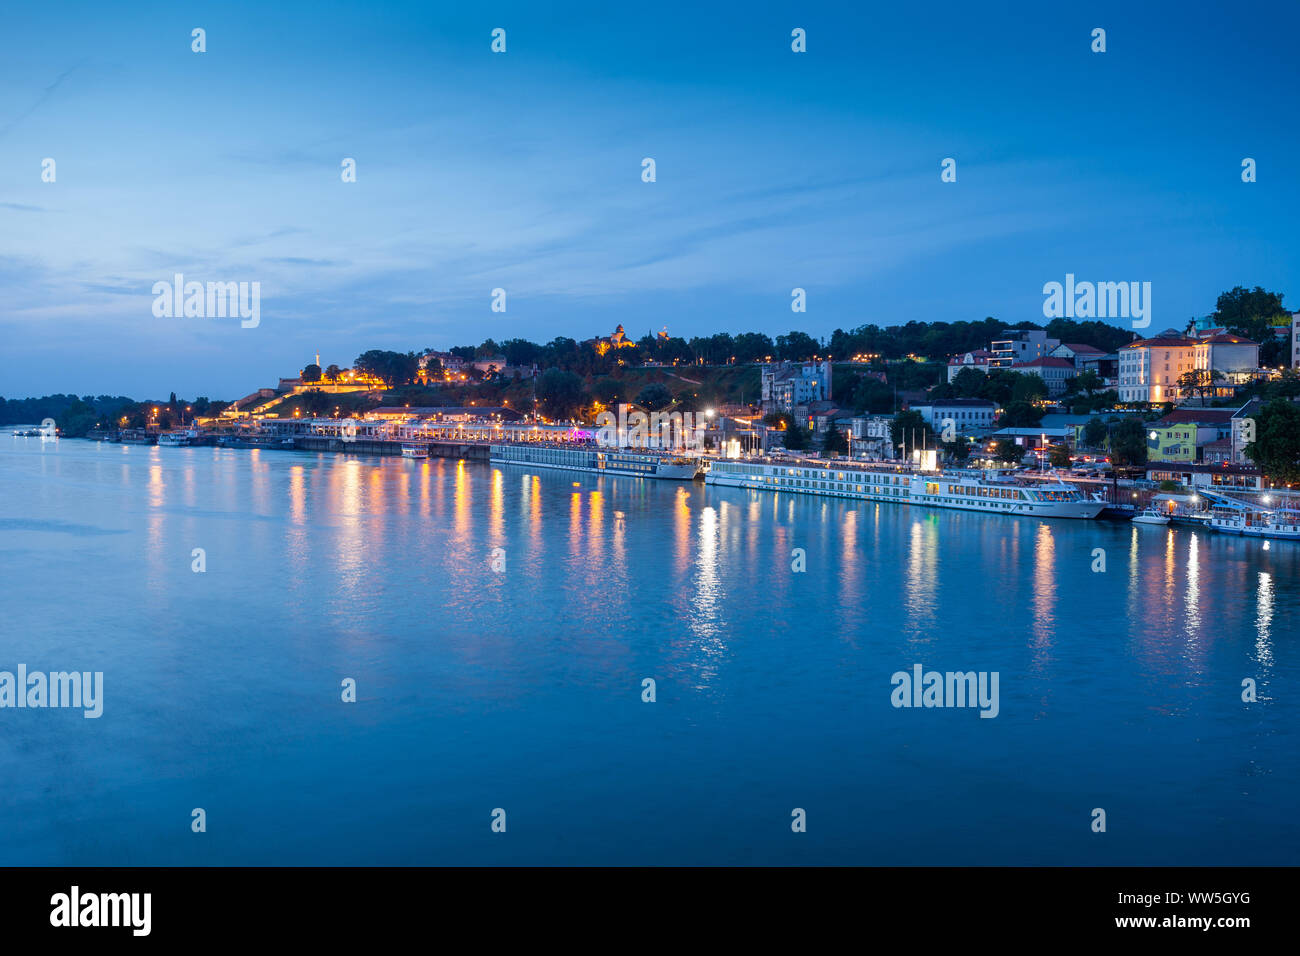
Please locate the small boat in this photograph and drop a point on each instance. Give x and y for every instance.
(415, 451)
(1150, 516)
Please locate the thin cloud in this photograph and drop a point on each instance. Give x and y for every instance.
(41, 100)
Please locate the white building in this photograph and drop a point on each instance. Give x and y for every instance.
(873, 436)
(969, 415)
(1054, 372)
(787, 386)
(978, 360)
(1236, 357)
(1078, 354)
(1149, 368)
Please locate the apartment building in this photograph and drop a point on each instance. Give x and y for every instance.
(787, 387)
(1018, 346)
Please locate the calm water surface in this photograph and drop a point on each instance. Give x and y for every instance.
(522, 690)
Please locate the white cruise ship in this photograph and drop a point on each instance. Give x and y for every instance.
(997, 493)
(598, 460)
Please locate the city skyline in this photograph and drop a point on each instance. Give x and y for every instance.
(523, 171)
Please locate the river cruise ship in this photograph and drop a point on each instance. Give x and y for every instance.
(597, 460)
(988, 492)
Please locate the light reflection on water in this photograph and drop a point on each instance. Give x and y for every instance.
(528, 682)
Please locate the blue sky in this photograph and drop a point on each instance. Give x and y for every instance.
(523, 171)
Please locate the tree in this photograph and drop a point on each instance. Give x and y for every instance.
(333, 373)
(559, 393)
(1029, 388)
(1058, 456)
(1020, 415)
(753, 347)
(968, 383)
(1094, 432)
(997, 385)
(1199, 381)
(1276, 448)
(654, 397)
(778, 420)
(315, 402)
(835, 442)
(1008, 451)
(77, 419)
(909, 430)
(392, 368)
(311, 374)
(1128, 442)
(958, 450)
(796, 346)
(1088, 381)
(1250, 313)
(607, 390)
(520, 352)
(872, 395)
(796, 438)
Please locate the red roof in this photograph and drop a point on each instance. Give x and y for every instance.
(977, 355)
(1162, 341)
(1227, 338)
(1049, 362)
(1197, 416)
(1080, 348)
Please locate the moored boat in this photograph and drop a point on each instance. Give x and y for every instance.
(1281, 524)
(176, 439)
(598, 460)
(1150, 516)
(1001, 493)
(256, 441)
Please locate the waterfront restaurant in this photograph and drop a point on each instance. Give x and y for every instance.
(1225, 476)
(444, 413)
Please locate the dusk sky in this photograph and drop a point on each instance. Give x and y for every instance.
(522, 170)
